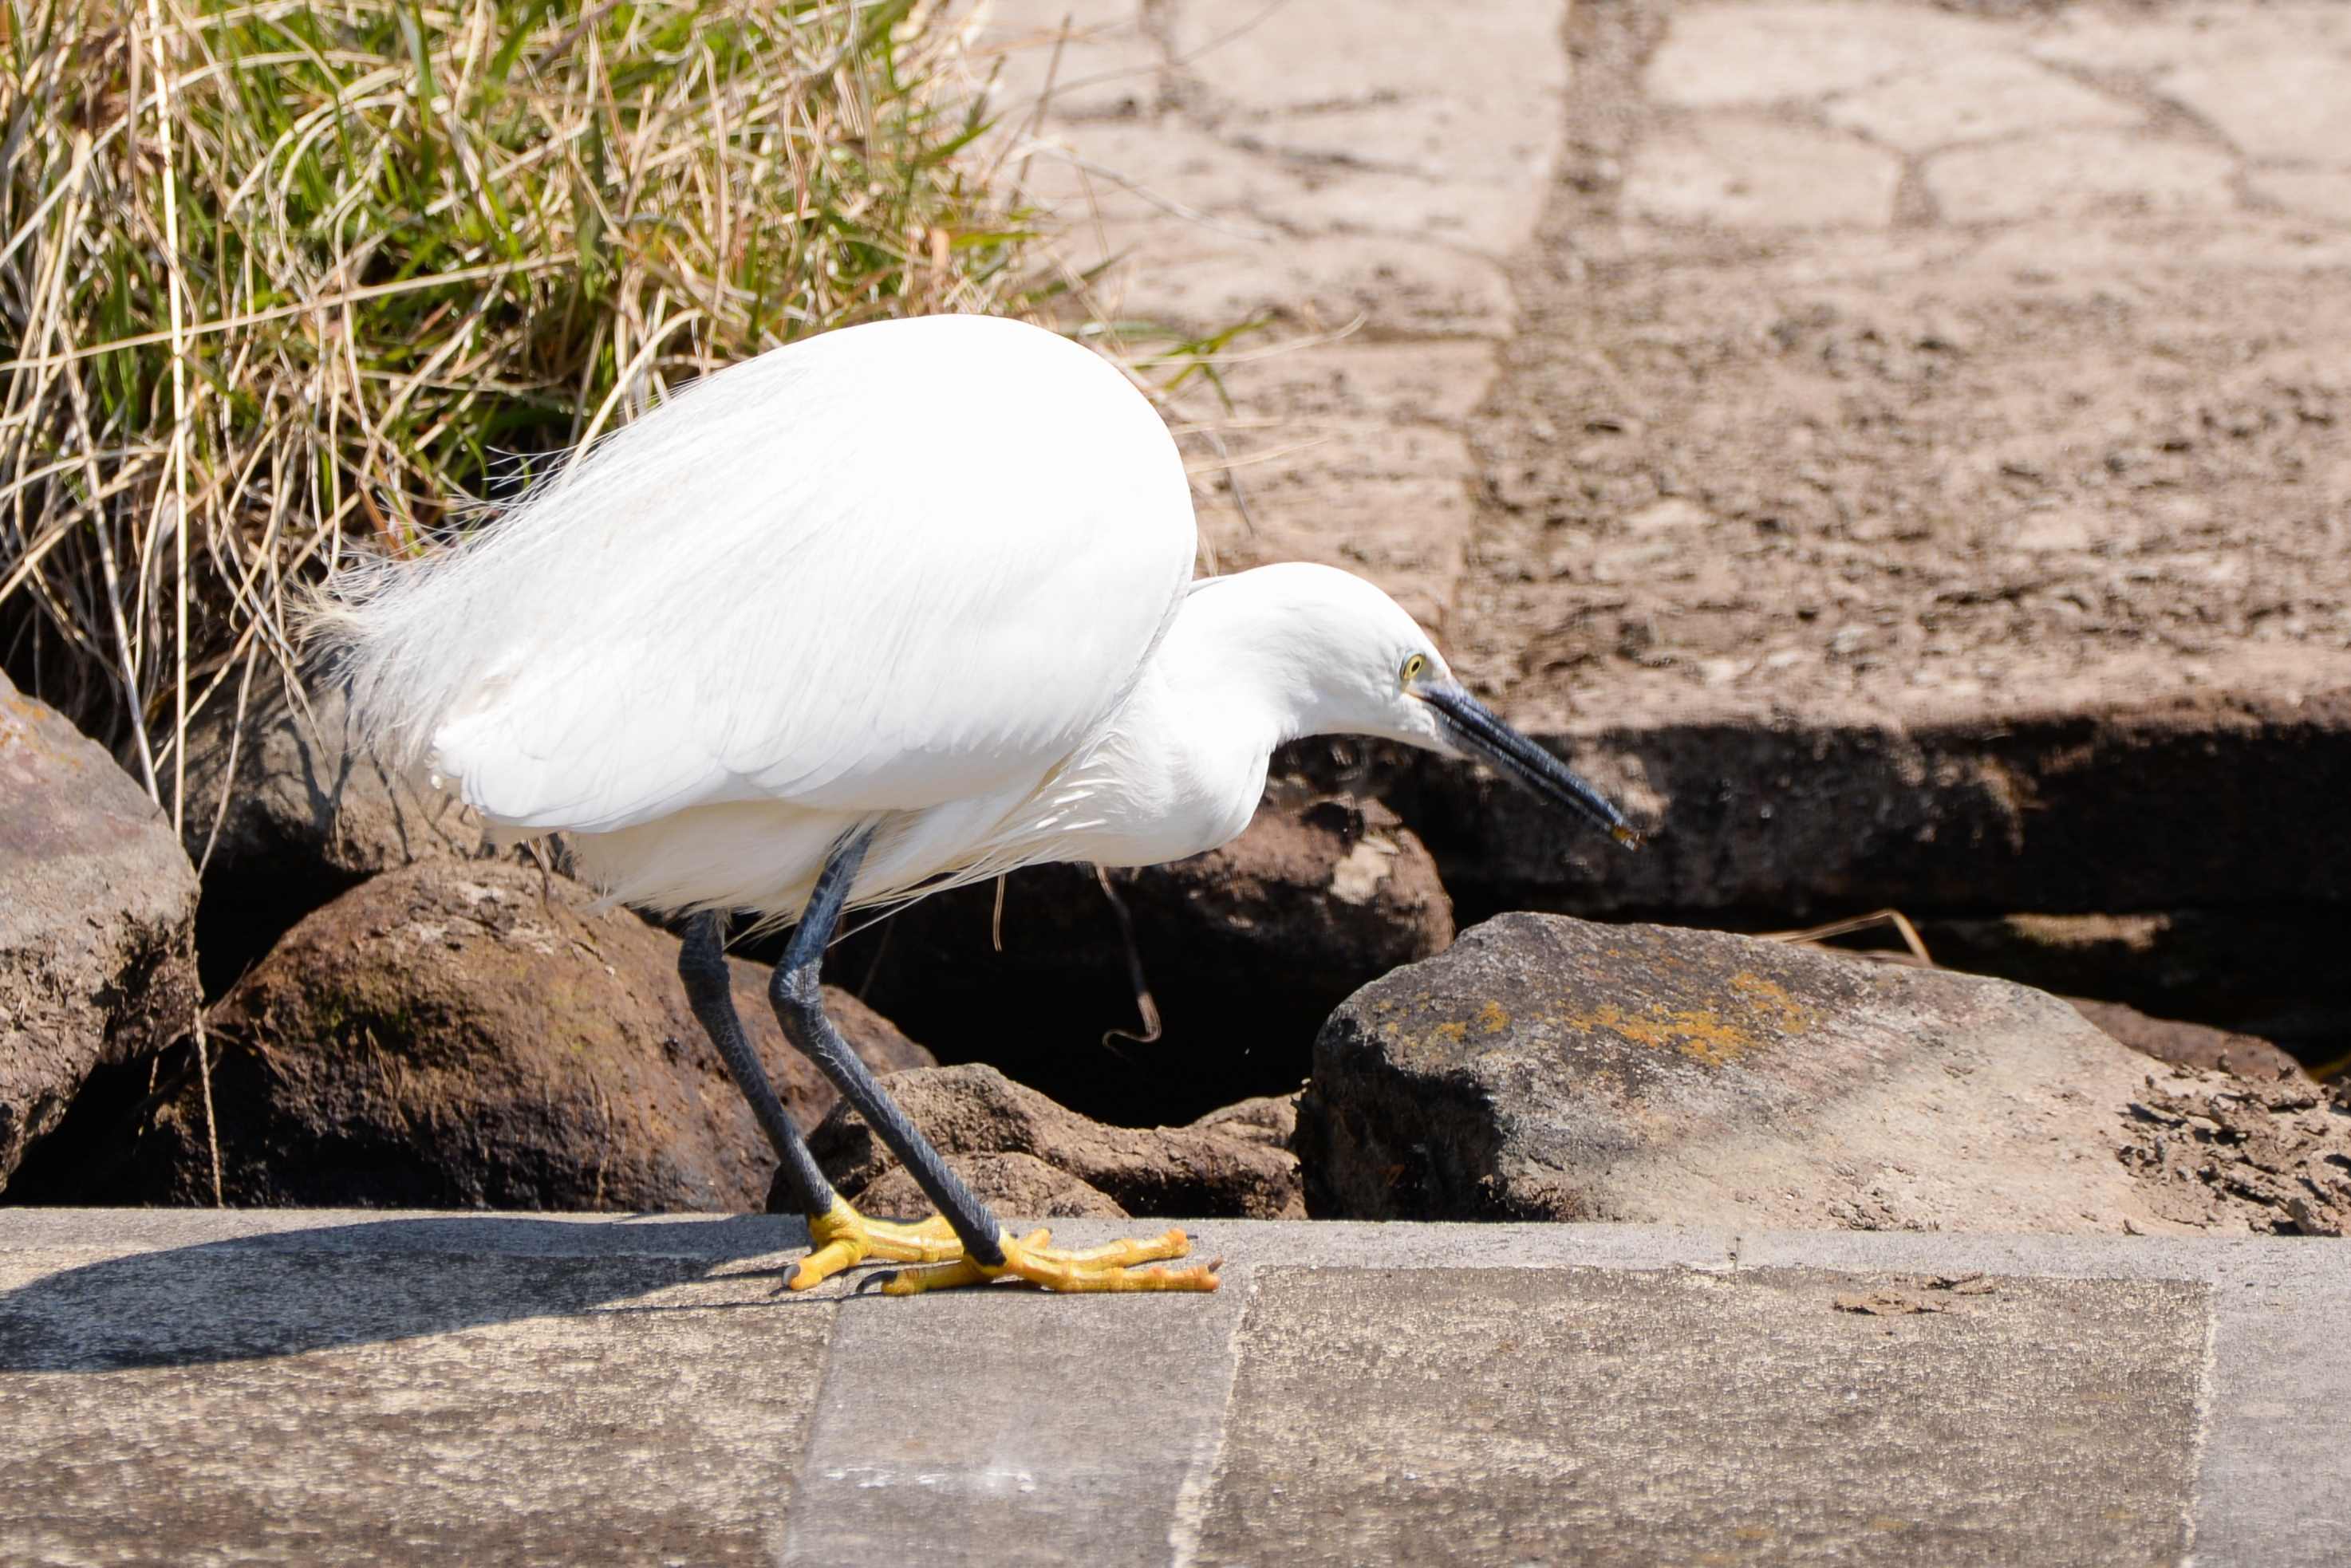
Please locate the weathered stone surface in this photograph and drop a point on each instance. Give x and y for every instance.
(1245, 949)
(96, 914)
(1973, 96)
(1384, 500)
(1408, 118)
(306, 817)
(2273, 85)
(2191, 1044)
(2322, 194)
(1720, 56)
(472, 1035)
(1545, 1067)
(338, 1388)
(2077, 171)
(1269, 1119)
(1995, 555)
(1018, 1148)
(1414, 287)
(1088, 63)
(1360, 466)
(1758, 173)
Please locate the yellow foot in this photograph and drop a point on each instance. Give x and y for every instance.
(840, 1237)
(1030, 1260)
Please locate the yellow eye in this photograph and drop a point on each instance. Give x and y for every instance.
(1415, 667)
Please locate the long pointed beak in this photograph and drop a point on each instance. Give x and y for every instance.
(1477, 729)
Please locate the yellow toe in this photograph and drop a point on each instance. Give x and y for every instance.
(840, 1237)
(1095, 1269)
(932, 1241)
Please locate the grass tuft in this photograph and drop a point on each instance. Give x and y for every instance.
(278, 277)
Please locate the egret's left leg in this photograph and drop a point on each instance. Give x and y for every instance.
(989, 1251)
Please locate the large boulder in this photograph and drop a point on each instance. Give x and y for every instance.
(1547, 1068)
(1030, 1157)
(461, 1035)
(97, 918)
(307, 816)
(1245, 950)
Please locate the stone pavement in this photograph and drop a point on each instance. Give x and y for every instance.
(323, 1387)
(1898, 447)
(1862, 358)
(1372, 166)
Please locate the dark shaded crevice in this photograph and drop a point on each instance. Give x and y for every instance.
(239, 919)
(85, 1159)
(1044, 1010)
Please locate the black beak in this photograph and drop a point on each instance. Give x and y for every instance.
(1476, 728)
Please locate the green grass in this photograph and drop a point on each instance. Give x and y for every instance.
(307, 276)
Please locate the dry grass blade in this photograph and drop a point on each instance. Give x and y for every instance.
(274, 274)
(1818, 936)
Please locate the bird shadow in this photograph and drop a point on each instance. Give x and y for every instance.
(288, 1292)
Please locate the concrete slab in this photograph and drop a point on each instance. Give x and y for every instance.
(1033, 1422)
(204, 1387)
(310, 1399)
(1621, 1417)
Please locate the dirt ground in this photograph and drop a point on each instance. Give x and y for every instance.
(1818, 403)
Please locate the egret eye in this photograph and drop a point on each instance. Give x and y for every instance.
(1414, 668)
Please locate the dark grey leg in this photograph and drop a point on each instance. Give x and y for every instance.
(701, 964)
(799, 1000)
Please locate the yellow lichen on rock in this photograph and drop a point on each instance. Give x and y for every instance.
(1699, 1033)
(1771, 997)
(1702, 1032)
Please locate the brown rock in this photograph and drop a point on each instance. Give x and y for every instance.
(1548, 1067)
(307, 818)
(97, 913)
(1245, 949)
(1013, 1184)
(1269, 1119)
(455, 1035)
(1229, 1164)
(2191, 1044)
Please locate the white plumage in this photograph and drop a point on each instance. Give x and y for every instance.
(930, 575)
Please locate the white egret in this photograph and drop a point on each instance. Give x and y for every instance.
(885, 611)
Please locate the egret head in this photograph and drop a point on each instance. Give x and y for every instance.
(1375, 671)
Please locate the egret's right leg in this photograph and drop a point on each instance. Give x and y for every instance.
(838, 1236)
(988, 1252)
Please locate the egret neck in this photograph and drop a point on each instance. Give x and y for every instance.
(1250, 661)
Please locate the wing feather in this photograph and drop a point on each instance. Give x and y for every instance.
(884, 567)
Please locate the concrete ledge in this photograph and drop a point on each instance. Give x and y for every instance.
(331, 1387)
